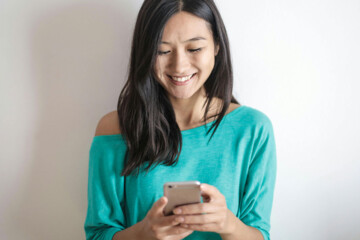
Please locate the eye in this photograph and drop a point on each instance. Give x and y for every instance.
(195, 50)
(162, 53)
(190, 50)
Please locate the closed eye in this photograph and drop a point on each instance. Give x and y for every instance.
(190, 50)
(162, 53)
(195, 50)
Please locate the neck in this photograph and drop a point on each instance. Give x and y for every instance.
(189, 112)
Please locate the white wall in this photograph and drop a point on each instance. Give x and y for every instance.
(63, 64)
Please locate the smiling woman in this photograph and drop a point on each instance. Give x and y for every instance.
(180, 80)
(155, 105)
(183, 66)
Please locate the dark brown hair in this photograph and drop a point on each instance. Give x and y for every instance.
(146, 116)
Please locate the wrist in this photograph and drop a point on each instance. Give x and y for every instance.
(230, 224)
(140, 233)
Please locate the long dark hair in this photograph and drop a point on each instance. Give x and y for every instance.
(146, 116)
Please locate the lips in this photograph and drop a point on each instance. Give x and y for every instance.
(178, 83)
(184, 76)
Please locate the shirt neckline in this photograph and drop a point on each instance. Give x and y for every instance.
(195, 129)
(183, 132)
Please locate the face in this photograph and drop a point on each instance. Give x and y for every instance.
(186, 56)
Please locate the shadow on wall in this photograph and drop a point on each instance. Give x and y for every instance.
(79, 60)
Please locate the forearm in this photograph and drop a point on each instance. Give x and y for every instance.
(130, 233)
(240, 231)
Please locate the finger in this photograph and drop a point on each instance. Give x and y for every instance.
(202, 219)
(176, 231)
(180, 236)
(185, 234)
(197, 208)
(172, 230)
(208, 227)
(209, 190)
(172, 220)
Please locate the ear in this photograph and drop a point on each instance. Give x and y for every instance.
(217, 47)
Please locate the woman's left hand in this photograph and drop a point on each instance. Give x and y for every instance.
(210, 216)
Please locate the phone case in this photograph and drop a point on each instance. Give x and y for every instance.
(181, 193)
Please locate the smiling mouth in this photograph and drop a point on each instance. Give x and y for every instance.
(182, 79)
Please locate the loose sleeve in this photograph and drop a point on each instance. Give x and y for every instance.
(257, 198)
(105, 213)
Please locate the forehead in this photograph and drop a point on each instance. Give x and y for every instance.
(183, 26)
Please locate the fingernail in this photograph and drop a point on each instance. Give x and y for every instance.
(180, 219)
(177, 211)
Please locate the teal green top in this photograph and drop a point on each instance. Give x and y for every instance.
(240, 161)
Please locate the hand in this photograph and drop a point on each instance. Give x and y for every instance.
(157, 226)
(210, 216)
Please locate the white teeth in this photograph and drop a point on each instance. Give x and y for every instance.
(182, 79)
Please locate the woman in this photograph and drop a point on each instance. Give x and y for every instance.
(179, 84)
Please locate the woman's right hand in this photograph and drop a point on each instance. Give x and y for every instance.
(157, 226)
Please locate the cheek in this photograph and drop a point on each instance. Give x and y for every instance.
(157, 69)
(206, 62)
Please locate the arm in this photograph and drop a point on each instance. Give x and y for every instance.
(106, 203)
(253, 219)
(239, 230)
(131, 233)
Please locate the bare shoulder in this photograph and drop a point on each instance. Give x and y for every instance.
(108, 124)
(218, 102)
(232, 107)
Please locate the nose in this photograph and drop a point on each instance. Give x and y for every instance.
(179, 63)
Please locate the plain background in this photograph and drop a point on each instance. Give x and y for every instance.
(63, 64)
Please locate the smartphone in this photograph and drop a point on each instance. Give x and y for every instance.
(181, 193)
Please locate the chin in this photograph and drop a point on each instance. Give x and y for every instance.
(186, 94)
(180, 96)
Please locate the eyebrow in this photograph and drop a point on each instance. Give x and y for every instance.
(190, 40)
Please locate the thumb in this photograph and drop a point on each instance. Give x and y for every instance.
(159, 205)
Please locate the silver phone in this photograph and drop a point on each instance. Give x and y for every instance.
(181, 193)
